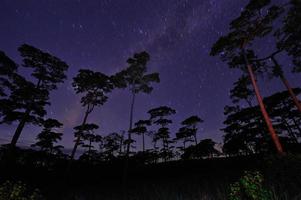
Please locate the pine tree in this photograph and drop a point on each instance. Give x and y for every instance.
(141, 129)
(159, 116)
(48, 137)
(135, 78)
(28, 100)
(191, 124)
(251, 24)
(8, 69)
(93, 86)
(87, 138)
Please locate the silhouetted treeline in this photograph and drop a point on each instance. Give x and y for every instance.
(24, 101)
(269, 124)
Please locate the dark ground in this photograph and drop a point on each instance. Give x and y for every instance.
(191, 179)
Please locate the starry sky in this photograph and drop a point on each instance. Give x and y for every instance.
(101, 34)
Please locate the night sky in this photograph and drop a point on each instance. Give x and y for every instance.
(101, 35)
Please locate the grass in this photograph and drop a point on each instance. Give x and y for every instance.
(176, 180)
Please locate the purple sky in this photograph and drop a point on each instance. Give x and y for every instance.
(102, 34)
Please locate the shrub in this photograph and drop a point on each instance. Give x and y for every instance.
(249, 187)
(18, 191)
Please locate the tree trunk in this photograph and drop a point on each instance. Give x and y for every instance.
(20, 128)
(143, 143)
(287, 85)
(78, 137)
(165, 148)
(131, 121)
(126, 164)
(22, 122)
(121, 143)
(165, 152)
(262, 107)
(166, 143)
(195, 139)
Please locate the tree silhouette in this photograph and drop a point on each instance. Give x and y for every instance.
(20, 96)
(48, 137)
(245, 132)
(29, 99)
(289, 34)
(283, 43)
(112, 145)
(241, 91)
(141, 129)
(285, 115)
(243, 127)
(135, 78)
(94, 86)
(8, 70)
(158, 116)
(88, 137)
(232, 48)
(278, 72)
(184, 134)
(205, 148)
(191, 124)
(188, 132)
(120, 139)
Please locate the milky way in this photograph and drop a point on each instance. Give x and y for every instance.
(102, 34)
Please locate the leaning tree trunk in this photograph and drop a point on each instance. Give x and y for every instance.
(20, 128)
(78, 137)
(195, 139)
(23, 121)
(287, 85)
(194, 135)
(267, 119)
